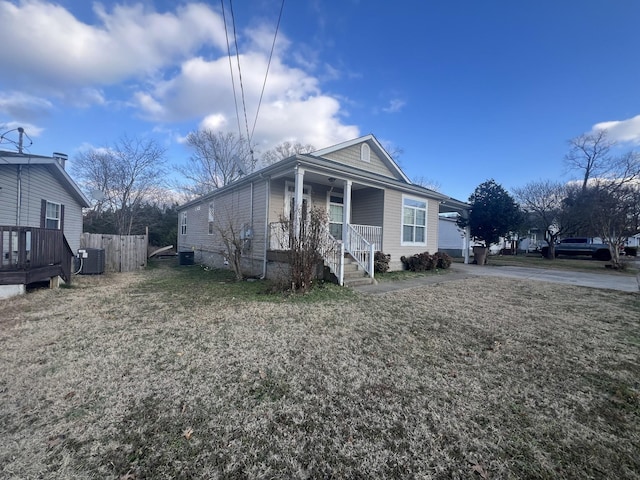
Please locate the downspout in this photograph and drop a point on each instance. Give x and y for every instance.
(267, 237)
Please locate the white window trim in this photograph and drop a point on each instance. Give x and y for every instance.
(329, 202)
(211, 215)
(289, 194)
(183, 223)
(365, 153)
(426, 221)
(47, 217)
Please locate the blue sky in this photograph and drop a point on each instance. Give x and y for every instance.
(468, 89)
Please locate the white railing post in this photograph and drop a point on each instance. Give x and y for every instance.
(341, 266)
(372, 249)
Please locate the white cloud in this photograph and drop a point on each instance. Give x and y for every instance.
(48, 47)
(172, 67)
(292, 106)
(395, 105)
(24, 107)
(215, 121)
(622, 130)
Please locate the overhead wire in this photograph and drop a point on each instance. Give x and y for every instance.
(273, 45)
(235, 39)
(233, 83)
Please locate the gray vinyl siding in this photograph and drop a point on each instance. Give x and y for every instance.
(367, 207)
(351, 156)
(232, 209)
(8, 194)
(38, 184)
(277, 196)
(392, 229)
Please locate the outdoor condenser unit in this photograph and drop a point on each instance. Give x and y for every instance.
(93, 261)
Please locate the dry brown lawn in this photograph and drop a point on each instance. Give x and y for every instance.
(174, 373)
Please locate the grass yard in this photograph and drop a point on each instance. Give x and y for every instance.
(176, 373)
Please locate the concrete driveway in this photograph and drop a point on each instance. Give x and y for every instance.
(459, 271)
(622, 282)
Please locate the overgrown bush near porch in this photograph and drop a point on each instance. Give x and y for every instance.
(381, 262)
(308, 246)
(422, 262)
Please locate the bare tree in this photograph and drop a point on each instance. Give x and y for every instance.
(427, 183)
(218, 159)
(610, 204)
(544, 200)
(125, 175)
(589, 154)
(285, 150)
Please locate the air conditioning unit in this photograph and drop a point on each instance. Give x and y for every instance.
(92, 261)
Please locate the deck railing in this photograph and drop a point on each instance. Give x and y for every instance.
(30, 248)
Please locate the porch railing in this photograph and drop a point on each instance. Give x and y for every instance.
(360, 248)
(370, 233)
(361, 242)
(332, 251)
(30, 248)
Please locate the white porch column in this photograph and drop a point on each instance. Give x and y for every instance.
(297, 204)
(467, 242)
(346, 210)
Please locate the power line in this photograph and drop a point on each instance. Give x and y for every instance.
(233, 83)
(267, 72)
(235, 39)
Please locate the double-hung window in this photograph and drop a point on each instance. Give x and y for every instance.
(211, 218)
(414, 221)
(52, 216)
(183, 223)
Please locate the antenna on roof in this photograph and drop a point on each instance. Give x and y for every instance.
(20, 142)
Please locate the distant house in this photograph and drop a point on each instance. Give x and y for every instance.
(371, 204)
(40, 218)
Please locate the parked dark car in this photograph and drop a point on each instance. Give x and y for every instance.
(584, 246)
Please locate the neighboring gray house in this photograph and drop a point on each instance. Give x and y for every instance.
(371, 204)
(451, 238)
(40, 212)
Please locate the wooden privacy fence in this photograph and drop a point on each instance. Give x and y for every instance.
(123, 253)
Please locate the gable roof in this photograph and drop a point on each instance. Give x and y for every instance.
(373, 143)
(53, 166)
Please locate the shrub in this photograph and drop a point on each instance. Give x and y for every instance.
(442, 260)
(381, 262)
(631, 251)
(420, 262)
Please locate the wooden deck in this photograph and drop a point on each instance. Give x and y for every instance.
(32, 254)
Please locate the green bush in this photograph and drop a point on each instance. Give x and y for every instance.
(442, 260)
(381, 262)
(631, 251)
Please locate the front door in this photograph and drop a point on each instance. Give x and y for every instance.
(336, 214)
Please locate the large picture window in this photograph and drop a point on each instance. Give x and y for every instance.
(52, 216)
(414, 221)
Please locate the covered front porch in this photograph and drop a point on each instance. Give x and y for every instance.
(354, 214)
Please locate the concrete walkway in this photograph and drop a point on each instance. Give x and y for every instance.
(459, 271)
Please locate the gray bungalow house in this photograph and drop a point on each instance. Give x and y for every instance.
(371, 205)
(40, 218)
